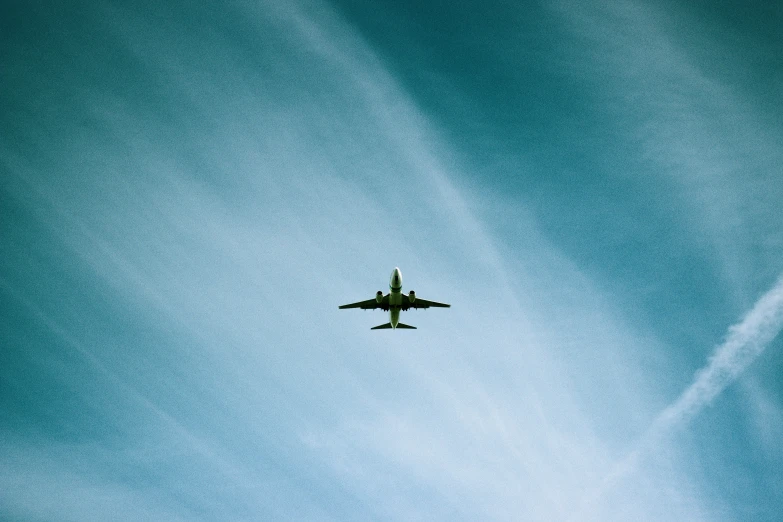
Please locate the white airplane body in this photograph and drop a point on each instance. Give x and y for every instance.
(394, 302)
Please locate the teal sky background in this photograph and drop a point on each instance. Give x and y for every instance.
(189, 191)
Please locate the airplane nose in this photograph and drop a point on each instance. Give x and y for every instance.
(396, 278)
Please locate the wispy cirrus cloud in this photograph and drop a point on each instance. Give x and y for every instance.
(283, 173)
(690, 126)
(744, 343)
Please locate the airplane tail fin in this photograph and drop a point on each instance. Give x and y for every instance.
(388, 325)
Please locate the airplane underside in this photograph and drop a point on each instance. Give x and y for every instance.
(394, 302)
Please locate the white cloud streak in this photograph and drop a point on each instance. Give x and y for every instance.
(697, 130)
(745, 341)
(489, 427)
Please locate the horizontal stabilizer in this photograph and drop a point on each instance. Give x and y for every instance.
(388, 325)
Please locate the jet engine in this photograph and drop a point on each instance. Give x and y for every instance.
(412, 296)
(378, 296)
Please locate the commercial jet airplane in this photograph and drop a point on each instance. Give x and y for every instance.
(394, 301)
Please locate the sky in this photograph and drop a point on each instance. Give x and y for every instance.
(188, 191)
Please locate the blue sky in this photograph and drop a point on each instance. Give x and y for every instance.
(189, 192)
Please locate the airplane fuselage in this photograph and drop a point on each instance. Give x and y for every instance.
(395, 297)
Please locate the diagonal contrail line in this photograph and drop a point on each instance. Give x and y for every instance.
(745, 341)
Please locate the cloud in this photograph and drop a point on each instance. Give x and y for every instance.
(766, 416)
(745, 341)
(63, 483)
(230, 245)
(690, 125)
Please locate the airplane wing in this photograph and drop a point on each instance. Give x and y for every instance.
(370, 304)
(421, 303)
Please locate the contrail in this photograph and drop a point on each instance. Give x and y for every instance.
(744, 342)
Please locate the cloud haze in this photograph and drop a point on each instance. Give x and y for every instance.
(190, 192)
(745, 341)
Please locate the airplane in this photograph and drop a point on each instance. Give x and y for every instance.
(394, 301)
